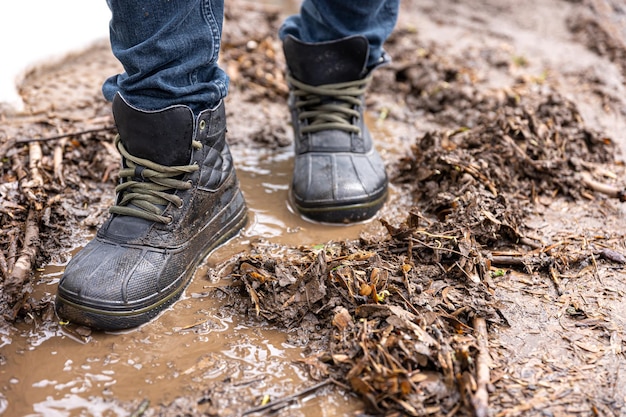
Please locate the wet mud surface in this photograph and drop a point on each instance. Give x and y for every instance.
(492, 283)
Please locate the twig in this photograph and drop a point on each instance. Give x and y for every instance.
(612, 256)
(12, 252)
(23, 267)
(65, 135)
(520, 152)
(556, 281)
(594, 263)
(436, 248)
(508, 260)
(406, 302)
(603, 188)
(58, 161)
(529, 242)
(34, 164)
(288, 398)
(141, 409)
(480, 401)
(20, 273)
(190, 326)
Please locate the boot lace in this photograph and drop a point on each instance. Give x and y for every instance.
(330, 106)
(143, 198)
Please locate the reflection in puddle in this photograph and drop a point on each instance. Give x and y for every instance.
(76, 405)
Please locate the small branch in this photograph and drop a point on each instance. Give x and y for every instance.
(529, 242)
(508, 260)
(612, 256)
(288, 398)
(556, 280)
(520, 152)
(141, 409)
(58, 161)
(65, 135)
(602, 188)
(480, 401)
(34, 164)
(21, 273)
(12, 252)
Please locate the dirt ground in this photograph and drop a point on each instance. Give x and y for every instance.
(491, 284)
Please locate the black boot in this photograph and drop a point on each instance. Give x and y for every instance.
(338, 176)
(178, 199)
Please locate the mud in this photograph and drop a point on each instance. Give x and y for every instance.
(490, 284)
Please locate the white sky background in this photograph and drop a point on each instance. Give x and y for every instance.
(36, 31)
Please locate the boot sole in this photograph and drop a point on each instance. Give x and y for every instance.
(341, 214)
(104, 319)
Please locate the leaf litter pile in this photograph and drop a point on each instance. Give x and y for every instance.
(401, 319)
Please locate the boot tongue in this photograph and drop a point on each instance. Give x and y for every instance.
(162, 136)
(327, 62)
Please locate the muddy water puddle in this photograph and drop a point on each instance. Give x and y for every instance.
(190, 347)
(50, 371)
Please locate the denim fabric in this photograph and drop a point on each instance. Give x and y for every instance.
(169, 51)
(169, 48)
(327, 20)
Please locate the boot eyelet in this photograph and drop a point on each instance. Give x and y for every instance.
(202, 124)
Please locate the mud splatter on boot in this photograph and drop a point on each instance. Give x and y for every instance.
(178, 199)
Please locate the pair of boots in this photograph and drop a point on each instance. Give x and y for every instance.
(179, 198)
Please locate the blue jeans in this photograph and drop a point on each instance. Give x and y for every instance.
(169, 49)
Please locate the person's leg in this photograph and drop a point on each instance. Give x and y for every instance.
(331, 49)
(178, 196)
(169, 51)
(331, 20)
